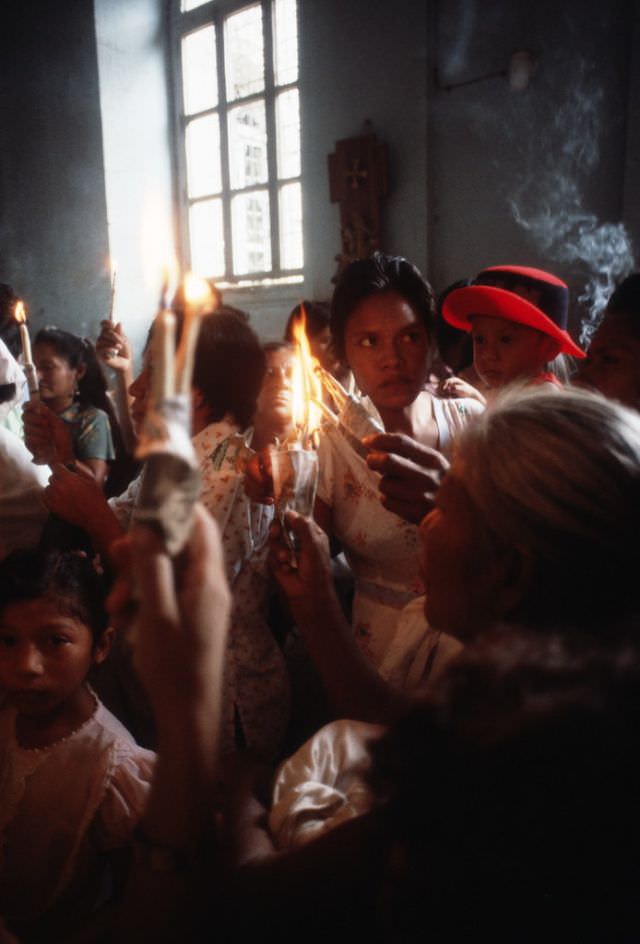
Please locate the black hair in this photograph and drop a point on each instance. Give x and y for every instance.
(67, 578)
(375, 276)
(9, 330)
(318, 317)
(454, 344)
(78, 353)
(625, 303)
(229, 365)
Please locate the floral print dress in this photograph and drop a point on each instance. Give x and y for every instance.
(382, 549)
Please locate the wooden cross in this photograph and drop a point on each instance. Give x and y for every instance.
(358, 180)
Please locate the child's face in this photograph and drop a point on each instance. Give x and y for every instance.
(45, 656)
(56, 377)
(612, 364)
(504, 351)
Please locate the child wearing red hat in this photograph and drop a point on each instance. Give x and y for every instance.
(517, 317)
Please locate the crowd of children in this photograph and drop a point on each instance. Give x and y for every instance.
(468, 697)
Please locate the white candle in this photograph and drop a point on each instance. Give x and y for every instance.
(198, 295)
(113, 293)
(163, 354)
(27, 360)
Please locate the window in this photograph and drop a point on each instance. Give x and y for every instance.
(239, 140)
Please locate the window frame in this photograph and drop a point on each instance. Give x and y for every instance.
(214, 12)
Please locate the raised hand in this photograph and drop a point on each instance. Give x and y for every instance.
(113, 348)
(307, 584)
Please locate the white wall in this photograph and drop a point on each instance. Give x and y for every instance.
(132, 48)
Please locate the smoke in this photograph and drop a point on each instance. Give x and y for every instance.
(550, 204)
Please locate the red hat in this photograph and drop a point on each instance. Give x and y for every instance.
(527, 296)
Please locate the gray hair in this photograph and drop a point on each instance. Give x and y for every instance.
(557, 475)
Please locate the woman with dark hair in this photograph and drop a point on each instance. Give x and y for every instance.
(382, 324)
(74, 420)
(229, 369)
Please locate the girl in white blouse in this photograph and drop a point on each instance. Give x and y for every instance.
(73, 782)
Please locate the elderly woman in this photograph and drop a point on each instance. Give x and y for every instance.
(535, 527)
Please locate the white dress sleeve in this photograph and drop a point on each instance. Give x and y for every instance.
(125, 797)
(323, 784)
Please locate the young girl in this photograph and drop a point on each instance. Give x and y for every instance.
(517, 318)
(73, 388)
(73, 783)
(382, 325)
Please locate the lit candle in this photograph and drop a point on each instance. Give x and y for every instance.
(306, 386)
(27, 361)
(198, 295)
(163, 349)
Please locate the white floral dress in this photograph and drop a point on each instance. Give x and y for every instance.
(257, 683)
(257, 693)
(382, 549)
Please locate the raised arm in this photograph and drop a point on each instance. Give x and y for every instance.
(114, 351)
(179, 644)
(352, 684)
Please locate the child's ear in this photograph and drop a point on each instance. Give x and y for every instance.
(103, 648)
(81, 371)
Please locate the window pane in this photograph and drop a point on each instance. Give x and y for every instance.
(288, 133)
(187, 5)
(243, 53)
(203, 156)
(199, 77)
(291, 255)
(207, 238)
(251, 232)
(285, 41)
(247, 145)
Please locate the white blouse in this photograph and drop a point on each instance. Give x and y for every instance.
(62, 805)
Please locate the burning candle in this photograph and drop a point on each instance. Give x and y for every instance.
(306, 386)
(27, 361)
(198, 296)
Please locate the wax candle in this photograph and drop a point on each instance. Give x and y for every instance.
(163, 354)
(27, 360)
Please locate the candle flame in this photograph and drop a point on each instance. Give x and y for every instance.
(305, 383)
(197, 291)
(19, 312)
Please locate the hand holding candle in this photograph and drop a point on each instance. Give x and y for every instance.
(171, 483)
(294, 465)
